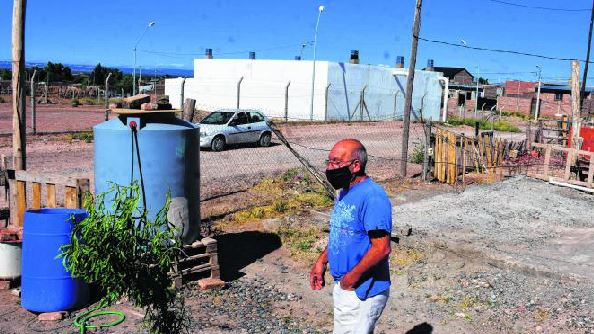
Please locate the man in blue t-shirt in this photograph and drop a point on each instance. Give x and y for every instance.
(359, 242)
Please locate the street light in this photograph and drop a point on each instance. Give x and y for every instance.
(313, 75)
(152, 23)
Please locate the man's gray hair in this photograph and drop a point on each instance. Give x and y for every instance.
(360, 154)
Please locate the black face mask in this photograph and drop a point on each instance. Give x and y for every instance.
(340, 177)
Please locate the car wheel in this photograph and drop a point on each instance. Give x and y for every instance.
(218, 143)
(265, 139)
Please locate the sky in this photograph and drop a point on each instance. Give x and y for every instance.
(89, 32)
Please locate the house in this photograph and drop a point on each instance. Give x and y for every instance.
(555, 100)
(463, 89)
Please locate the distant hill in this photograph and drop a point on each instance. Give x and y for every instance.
(176, 72)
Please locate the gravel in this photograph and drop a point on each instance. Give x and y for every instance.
(246, 305)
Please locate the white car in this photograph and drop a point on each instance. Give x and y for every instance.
(234, 126)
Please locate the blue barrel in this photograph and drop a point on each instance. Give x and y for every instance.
(45, 285)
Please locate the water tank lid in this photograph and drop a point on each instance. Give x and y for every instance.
(122, 111)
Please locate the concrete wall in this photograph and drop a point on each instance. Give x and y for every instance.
(264, 83)
(385, 89)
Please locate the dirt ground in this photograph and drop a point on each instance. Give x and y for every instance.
(509, 257)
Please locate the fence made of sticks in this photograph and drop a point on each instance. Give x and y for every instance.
(455, 155)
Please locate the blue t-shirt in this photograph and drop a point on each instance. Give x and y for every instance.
(364, 207)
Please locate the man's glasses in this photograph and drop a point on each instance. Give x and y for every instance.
(338, 163)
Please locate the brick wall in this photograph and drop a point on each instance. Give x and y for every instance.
(548, 106)
(519, 87)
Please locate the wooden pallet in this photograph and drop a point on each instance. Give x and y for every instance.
(199, 259)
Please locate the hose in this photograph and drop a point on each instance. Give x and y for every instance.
(81, 320)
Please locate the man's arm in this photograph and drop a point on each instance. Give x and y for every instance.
(316, 275)
(380, 248)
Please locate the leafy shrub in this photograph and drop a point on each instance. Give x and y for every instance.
(75, 103)
(126, 254)
(417, 155)
(484, 124)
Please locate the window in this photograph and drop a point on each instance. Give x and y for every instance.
(256, 117)
(242, 118)
(468, 95)
(558, 96)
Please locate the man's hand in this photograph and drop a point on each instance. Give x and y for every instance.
(316, 276)
(349, 280)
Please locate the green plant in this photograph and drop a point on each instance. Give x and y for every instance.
(75, 102)
(417, 156)
(126, 254)
(91, 101)
(86, 136)
(484, 124)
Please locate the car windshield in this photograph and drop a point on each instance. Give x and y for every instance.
(217, 117)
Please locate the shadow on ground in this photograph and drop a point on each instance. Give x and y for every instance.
(423, 328)
(237, 250)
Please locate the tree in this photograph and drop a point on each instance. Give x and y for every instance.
(56, 71)
(100, 73)
(5, 74)
(483, 81)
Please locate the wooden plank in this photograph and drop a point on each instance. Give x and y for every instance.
(82, 188)
(547, 159)
(453, 170)
(70, 197)
(27, 176)
(568, 163)
(436, 155)
(36, 192)
(50, 200)
(463, 158)
(21, 202)
(591, 171)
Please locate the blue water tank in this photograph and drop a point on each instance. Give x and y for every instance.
(45, 285)
(169, 158)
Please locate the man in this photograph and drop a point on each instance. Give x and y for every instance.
(359, 242)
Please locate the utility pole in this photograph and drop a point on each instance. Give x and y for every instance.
(478, 72)
(18, 85)
(538, 94)
(409, 88)
(575, 105)
(587, 56)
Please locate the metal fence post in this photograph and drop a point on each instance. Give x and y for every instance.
(239, 90)
(33, 104)
(287, 101)
(106, 96)
(326, 103)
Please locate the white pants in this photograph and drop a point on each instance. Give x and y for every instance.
(355, 316)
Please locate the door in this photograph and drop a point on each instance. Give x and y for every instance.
(257, 124)
(238, 132)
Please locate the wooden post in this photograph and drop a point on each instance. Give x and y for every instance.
(547, 159)
(287, 101)
(82, 187)
(575, 106)
(21, 202)
(591, 171)
(409, 87)
(427, 128)
(565, 128)
(476, 129)
(436, 155)
(540, 137)
(463, 139)
(452, 161)
(18, 85)
(529, 137)
(50, 190)
(571, 155)
(70, 197)
(36, 191)
(189, 107)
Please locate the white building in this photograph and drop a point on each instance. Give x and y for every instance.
(282, 89)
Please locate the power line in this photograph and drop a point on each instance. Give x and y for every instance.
(542, 8)
(497, 50)
(171, 53)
